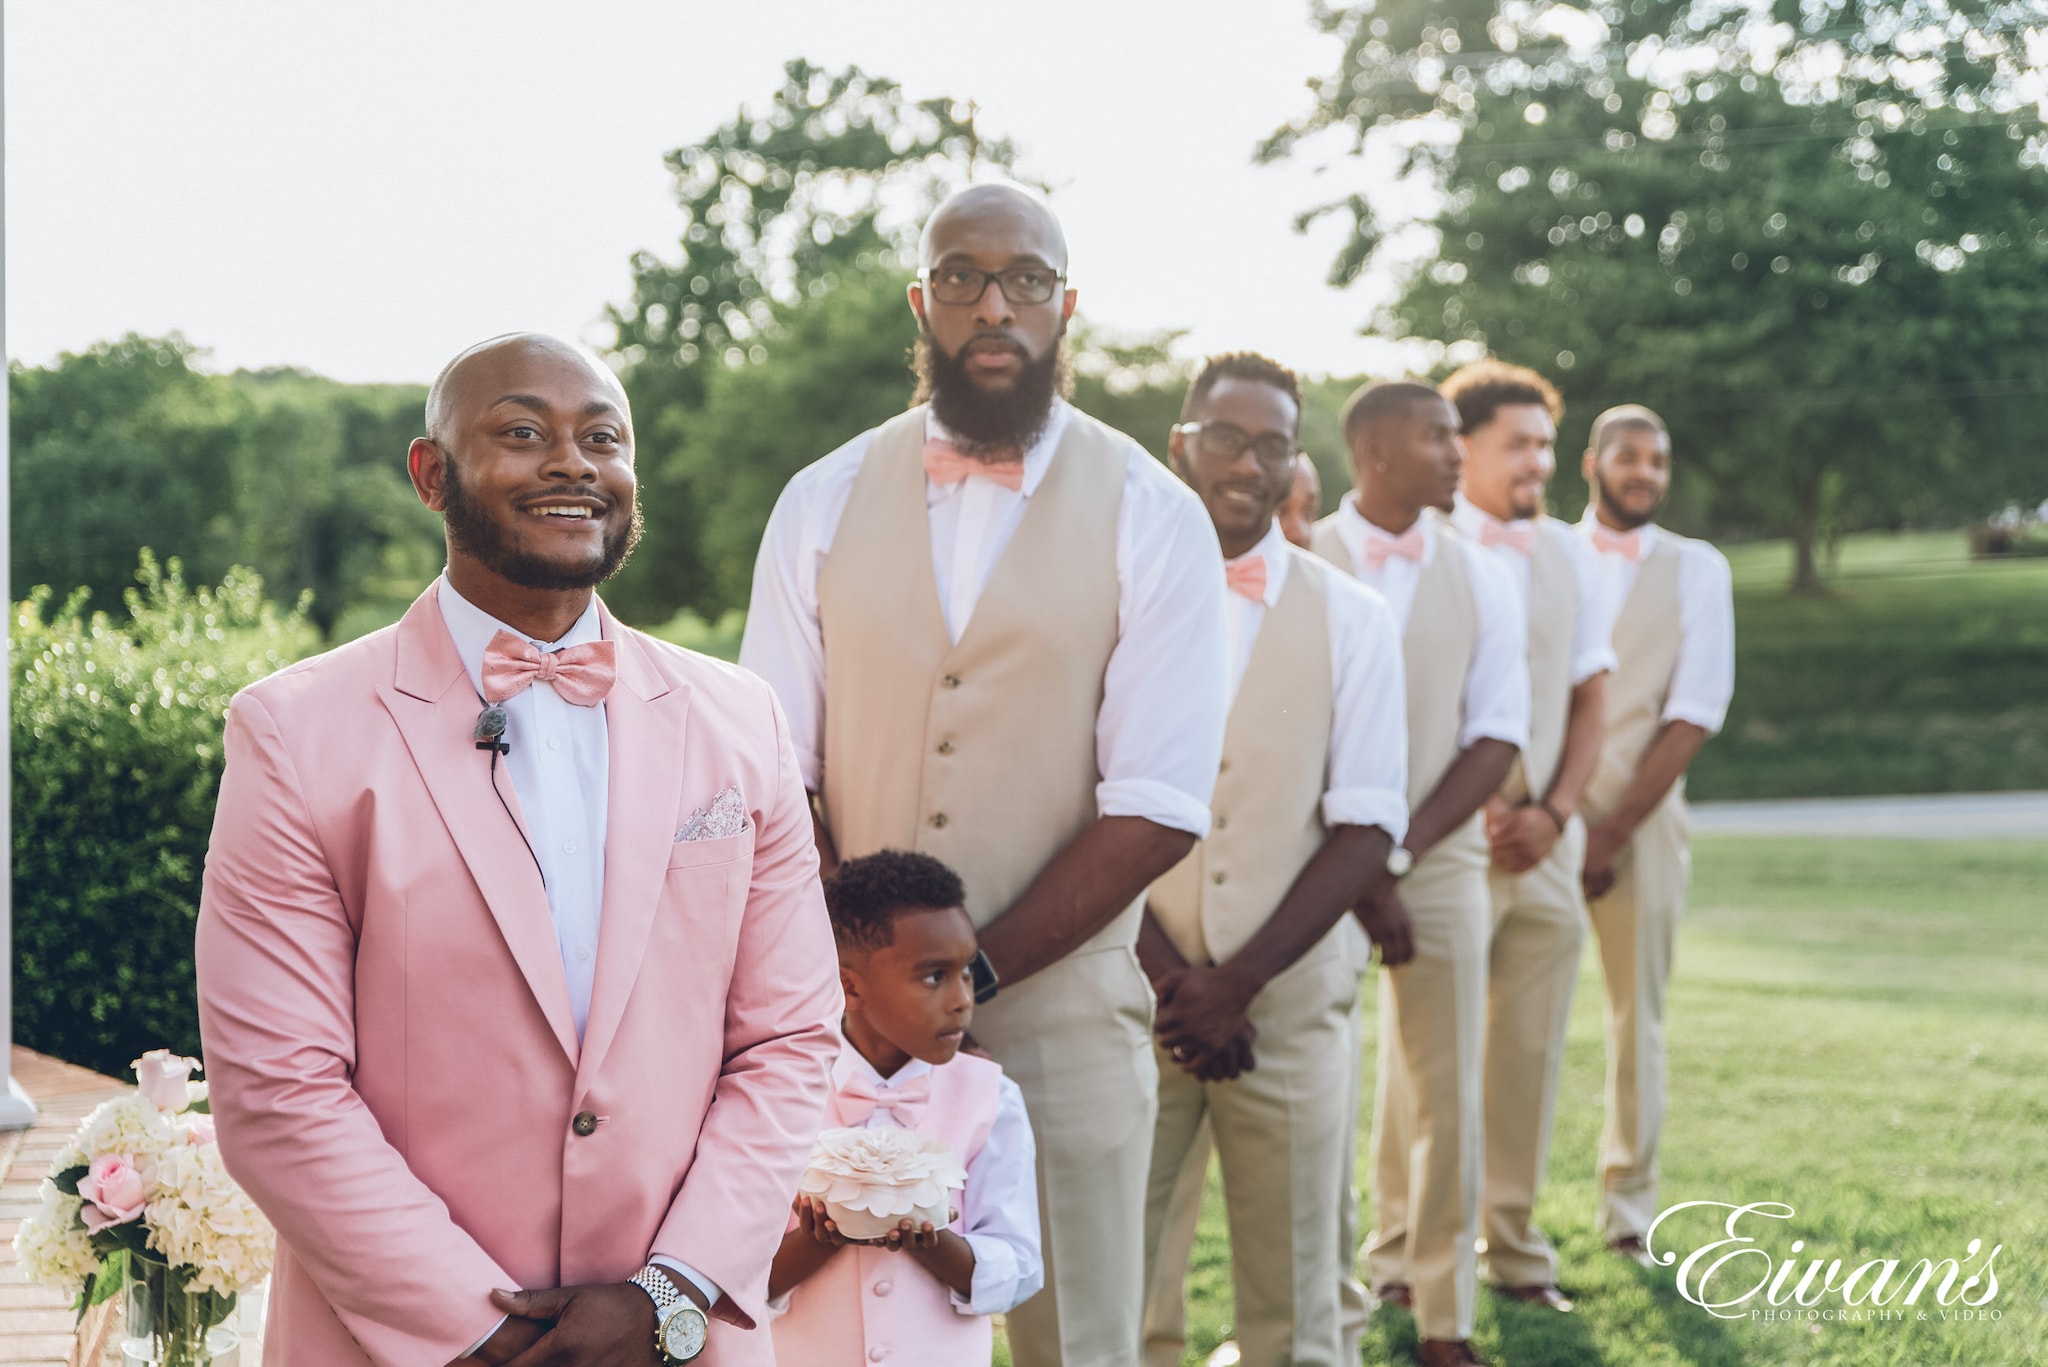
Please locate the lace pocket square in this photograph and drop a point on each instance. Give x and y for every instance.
(727, 815)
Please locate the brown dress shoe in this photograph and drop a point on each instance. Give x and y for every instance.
(1631, 1247)
(1448, 1353)
(1394, 1293)
(1538, 1295)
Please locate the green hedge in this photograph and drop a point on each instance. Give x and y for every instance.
(117, 759)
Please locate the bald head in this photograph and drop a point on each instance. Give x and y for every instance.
(999, 211)
(489, 363)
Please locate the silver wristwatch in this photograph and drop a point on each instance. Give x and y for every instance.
(679, 1326)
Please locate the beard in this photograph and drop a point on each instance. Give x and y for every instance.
(483, 540)
(1611, 502)
(984, 421)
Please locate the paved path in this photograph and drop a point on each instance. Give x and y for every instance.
(1943, 816)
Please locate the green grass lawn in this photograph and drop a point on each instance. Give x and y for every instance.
(1921, 671)
(1858, 1029)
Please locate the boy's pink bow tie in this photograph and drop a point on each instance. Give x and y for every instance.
(1247, 575)
(1627, 545)
(581, 674)
(859, 1098)
(1409, 545)
(943, 464)
(1519, 536)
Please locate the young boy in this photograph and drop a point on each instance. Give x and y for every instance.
(906, 956)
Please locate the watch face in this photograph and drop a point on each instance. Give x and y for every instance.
(682, 1333)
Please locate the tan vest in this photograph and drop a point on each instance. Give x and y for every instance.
(1268, 808)
(980, 753)
(1646, 640)
(1553, 621)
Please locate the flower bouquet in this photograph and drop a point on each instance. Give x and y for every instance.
(141, 1204)
(870, 1179)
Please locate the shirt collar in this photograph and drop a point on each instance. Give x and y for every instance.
(851, 1064)
(1590, 519)
(1037, 460)
(1274, 546)
(1354, 530)
(472, 629)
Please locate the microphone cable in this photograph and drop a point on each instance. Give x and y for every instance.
(489, 734)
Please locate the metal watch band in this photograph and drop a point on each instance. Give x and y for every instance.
(655, 1283)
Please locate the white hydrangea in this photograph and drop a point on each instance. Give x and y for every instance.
(129, 1125)
(199, 1219)
(52, 1244)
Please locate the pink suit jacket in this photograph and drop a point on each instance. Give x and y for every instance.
(394, 1067)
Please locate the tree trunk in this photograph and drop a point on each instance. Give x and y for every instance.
(1806, 501)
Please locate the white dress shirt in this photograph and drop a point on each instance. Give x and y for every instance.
(1164, 685)
(1704, 679)
(1591, 653)
(560, 768)
(1497, 681)
(1368, 765)
(998, 1206)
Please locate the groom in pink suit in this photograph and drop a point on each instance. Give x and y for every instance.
(517, 1017)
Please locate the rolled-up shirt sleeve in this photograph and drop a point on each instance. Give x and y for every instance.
(1159, 735)
(1000, 1219)
(1369, 729)
(1703, 680)
(1497, 682)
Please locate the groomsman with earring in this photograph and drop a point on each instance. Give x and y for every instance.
(1508, 420)
(1464, 641)
(1674, 643)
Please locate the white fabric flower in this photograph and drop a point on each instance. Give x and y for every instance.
(871, 1179)
(52, 1244)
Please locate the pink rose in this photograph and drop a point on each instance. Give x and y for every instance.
(113, 1190)
(160, 1075)
(201, 1131)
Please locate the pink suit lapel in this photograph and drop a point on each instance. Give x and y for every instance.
(434, 705)
(644, 716)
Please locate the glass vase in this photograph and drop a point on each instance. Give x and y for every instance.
(168, 1324)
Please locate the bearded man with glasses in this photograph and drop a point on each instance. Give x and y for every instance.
(997, 628)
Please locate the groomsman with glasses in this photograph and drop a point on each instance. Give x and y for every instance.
(1508, 420)
(1247, 940)
(1674, 642)
(997, 628)
(1464, 641)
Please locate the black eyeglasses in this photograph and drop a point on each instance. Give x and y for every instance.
(1019, 284)
(1227, 441)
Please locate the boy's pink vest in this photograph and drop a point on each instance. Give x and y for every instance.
(868, 1305)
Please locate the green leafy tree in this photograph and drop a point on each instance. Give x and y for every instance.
(1814, 236)
(825, 187)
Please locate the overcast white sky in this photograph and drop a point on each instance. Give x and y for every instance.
(363, 188)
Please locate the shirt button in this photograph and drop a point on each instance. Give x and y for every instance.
(883, 1288)
(583, 955)
(945, 747)
(568, 847)
(554, 742)
(938, 821)
(1219, 877)
(951, 681)
(585, 1124)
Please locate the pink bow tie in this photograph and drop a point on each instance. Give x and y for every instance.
(943, 464)
(1409, 545)
(859, 1098)
(1519, 536)
(1247, 575)
(1627, 545)
(581, 674)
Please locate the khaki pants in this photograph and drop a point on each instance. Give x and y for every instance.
(1077, 1040)
(1637, 923)
(1278, 1130)
(1426, 1146)
(1539, 930)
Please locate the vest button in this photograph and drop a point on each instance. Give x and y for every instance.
(951, 681)
(1223, 767)
(1221, 822)
(938, 821)
(883, 1288)
(945, 747)
(1219, 877)
(585, 1124)
(877, 1353)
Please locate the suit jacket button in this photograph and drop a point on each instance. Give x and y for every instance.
(939, 820)
(585, 1124)
(1219, 877)
(951, 681)
(945, 747)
